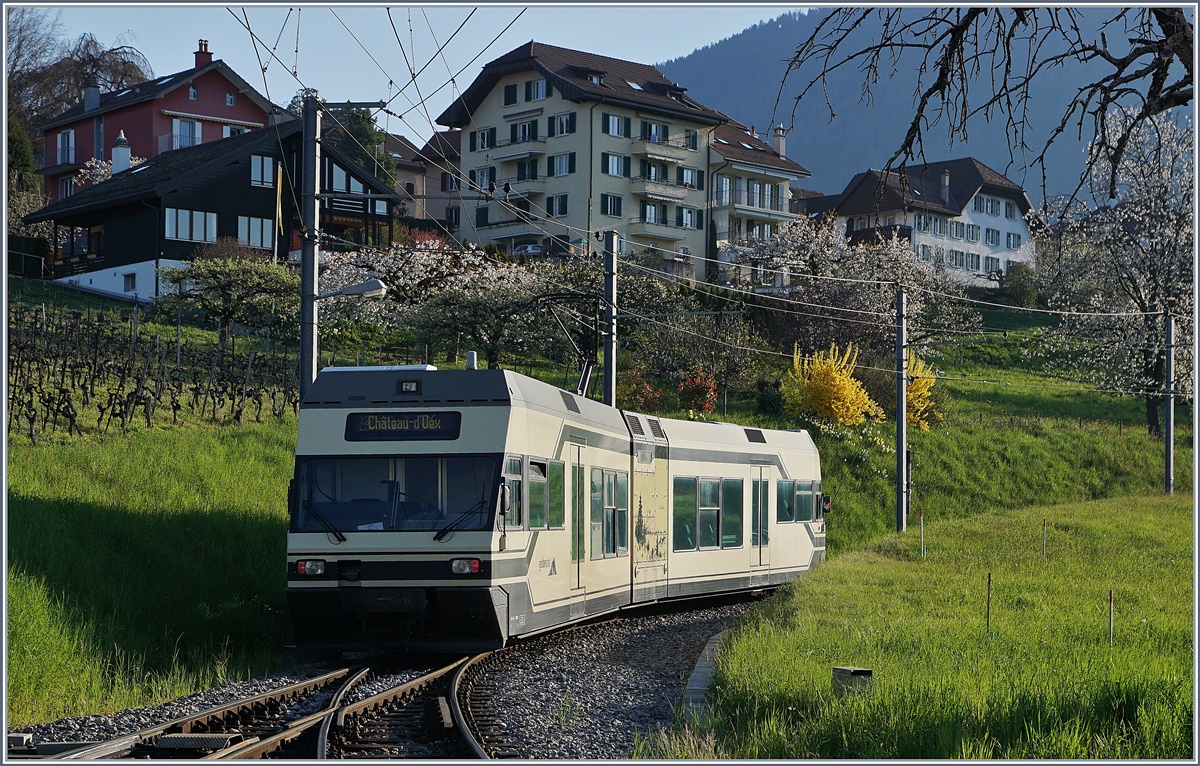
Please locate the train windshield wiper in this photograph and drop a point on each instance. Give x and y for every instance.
(441, 533)
(337, 533)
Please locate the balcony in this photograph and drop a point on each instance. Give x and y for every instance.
(654, 148)
(756, 206)
(658, 230)
(660, 189)
(169, 141)
(521, 149)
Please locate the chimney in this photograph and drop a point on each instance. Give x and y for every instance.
(753, 130)
(203, 57)
(946, 186)
(120, 154)
(91, 93)
(780, 140)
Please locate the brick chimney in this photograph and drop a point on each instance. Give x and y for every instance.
(91, 93)
(203, 57)
(946, 186)
(120, 154)
(780, 140)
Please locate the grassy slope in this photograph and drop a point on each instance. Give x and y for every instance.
(1044, 683)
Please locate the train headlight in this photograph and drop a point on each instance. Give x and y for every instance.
(464, 566)
(310, 567)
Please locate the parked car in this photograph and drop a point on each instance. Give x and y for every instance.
(529, 251)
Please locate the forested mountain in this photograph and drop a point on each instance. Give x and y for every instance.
(741, 76)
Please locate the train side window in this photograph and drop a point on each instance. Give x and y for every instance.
(709, 520)
(804, 504)
(818, 511)
(578, 510)
(537, 495)
(513, 479)
(556, 490)
(785, 499)
(622, 512)
(731, 513)
(597, 513)
(684, 514)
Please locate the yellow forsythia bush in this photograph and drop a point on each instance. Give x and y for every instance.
(920, 394)
(824, 386)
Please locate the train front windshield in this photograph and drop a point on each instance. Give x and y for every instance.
(425, 493)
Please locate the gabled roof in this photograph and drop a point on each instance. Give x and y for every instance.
(735, 143)
(158, 87)
(403, 151)
(920, 188)
(189, 167)
(444, 145)
(622, 83)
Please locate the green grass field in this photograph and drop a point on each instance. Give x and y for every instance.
(1043, 682)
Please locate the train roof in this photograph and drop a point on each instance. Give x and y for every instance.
(730, 434)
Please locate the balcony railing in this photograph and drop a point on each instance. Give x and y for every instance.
(659, 187)
(170, 141)
(674, 151)
(743, 198)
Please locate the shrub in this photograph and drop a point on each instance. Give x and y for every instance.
(698, 390)
(824, 387)
(636, 393)
(921, 405)
(769, 400)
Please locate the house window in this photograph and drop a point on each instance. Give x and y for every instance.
(958, 259)
(1010, 209)
(481, 216)
(939, 256)
(129, 282)
(691, 139)
(980, 203)
(190, 225)
(483, 139)
(66, 187)
(485, 176)
(192, 92)
(955, 229)
(562, 164)
(510, 94)
(926, 253)
(655, 132)
(689, 218)
(991, 263)
(66, 147)
(185, 133)
(993, 206)
(615, 164)
(262, 171)
(256, 232)
(524, 131)
(939, 226)
(449, 181)
(228, 98)
(527, 170)
(1013, 241)
(616, 125)
(452, 216)
(341, 179)
(557, 206)
(562, 124)
(972, 232)
(233, 130)
(922, 222)
(536, 90)
(594, 79)
(724, 189)
(972, 261)
(610, 204)
(688, 177)
(652, 213)
(992, 237)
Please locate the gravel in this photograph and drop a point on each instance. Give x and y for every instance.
(585, 694)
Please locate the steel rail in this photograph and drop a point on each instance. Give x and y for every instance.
(460, 718)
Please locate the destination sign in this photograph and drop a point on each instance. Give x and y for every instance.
(402, 426)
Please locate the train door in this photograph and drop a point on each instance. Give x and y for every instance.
(760, 525)
(578, 524)
(648, 513)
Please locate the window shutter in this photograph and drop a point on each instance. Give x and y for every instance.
(492, 136)
(642, 209)
(666, 132)
(646, 130)
(472, 175)
(510, 94)
(571, 162)
(521, 171)
(699, 219)
(472, 140)
(604, 121)
(512, 130)
(626, 166)
(549, 89)
(549, 127)
(617, 206)
(645, 169)
(679, 176)
(628, 122)
(662, 213)
(700, 180)
(571, 123)
(549, 167)
(679, 216)
(529, 90)
(533, 130)
(603, 162)
(562, 208)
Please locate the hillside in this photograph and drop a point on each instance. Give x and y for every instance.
(741, 76)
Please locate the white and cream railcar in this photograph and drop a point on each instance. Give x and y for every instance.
(454, 509)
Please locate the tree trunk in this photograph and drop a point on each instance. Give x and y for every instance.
(1152, 423)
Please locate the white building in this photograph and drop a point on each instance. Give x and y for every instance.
(957, 213)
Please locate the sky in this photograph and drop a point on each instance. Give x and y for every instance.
(358, 53)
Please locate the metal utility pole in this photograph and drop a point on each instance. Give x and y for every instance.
(1169, 402)
(310, 178)
(901, 414)
(610, 318)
